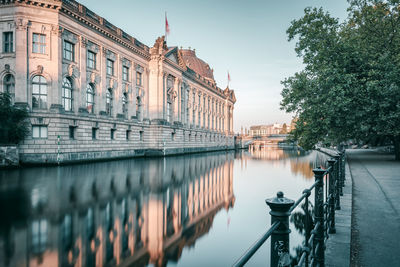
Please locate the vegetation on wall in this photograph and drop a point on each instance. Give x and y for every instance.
(14, 126)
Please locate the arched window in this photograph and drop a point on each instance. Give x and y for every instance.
(90, 98)
(9, 86)
(109, 101)
(67, 94)
(39, 92)
(125, 104)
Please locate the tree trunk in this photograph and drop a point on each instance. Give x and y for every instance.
(396, 141)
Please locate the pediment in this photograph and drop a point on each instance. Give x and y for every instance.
(174, 55)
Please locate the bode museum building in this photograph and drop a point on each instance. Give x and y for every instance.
(95, 92)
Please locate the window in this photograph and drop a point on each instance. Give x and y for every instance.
(71, 132)
(39, 43)
(125, 104)
(138, 79)
(68, 51)
(39, 236)
(39, 131)
(90, 98)
(172, 136)
(91, 60)
(140, 135)
(67, 94)
(8, 42)
(169, 108)
(94, 133)
(125, 73)
(128, 132)
(112, 134)
(110, 67)
(9, 86)
(109, 101)
(39, 92)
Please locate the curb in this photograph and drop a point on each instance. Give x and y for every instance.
(337, 253)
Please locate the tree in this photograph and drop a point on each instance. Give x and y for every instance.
(14, 126)
(350, 86)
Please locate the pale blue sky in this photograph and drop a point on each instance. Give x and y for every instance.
(248, 38)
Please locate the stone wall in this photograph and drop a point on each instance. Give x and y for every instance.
(131, 139)
(9, 156)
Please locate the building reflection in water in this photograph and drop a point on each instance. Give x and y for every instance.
(300, 163)
(130, 212)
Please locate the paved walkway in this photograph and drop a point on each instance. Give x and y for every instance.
(376, 208)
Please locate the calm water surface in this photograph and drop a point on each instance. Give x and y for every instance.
(192, 210)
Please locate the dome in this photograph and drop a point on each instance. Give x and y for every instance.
(196, 64)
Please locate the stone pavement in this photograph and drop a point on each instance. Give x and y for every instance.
(375, 233)
(337, 253)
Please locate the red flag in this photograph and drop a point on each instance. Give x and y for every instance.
(229, 78)
(166, 24)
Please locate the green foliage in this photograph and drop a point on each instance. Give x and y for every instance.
(14, 125)
(350, 86)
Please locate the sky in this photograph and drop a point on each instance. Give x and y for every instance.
(245, 37)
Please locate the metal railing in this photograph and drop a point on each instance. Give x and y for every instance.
(318, 224)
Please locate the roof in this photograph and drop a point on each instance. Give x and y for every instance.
(196, 64)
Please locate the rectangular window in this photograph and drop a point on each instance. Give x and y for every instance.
(8, 42)
(91, 60)
(39, 43)
(140, 135)
(110, 67)
(39, 131)
(71, 132)
(112, 136)
(138, 78)
(68, 51)
(94, 133)
(172, 136)
(125, 73)
(128, 133)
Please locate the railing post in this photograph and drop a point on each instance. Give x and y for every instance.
(339, 173)
(319, 246)
(280, 248)
(343, 162)
(337, 183)
(331, 197)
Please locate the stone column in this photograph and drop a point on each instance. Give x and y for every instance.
(175, 102)
(190, 106)
(22, 87)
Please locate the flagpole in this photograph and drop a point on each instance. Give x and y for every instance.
(165, 27)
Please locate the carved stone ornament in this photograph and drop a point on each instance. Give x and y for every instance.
(111, 83)
(127, 89)
(93, 77)
(84, 42)
(73, 71)
(39, 69)
(139, 68)
(174, 94)
(7, 67)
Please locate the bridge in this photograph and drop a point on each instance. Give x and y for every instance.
(244, 141)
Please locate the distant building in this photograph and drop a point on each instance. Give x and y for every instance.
(266, 130)
(94, 91)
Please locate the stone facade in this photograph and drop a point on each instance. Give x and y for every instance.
(95, 92)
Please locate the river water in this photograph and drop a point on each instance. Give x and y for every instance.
(192, 210)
